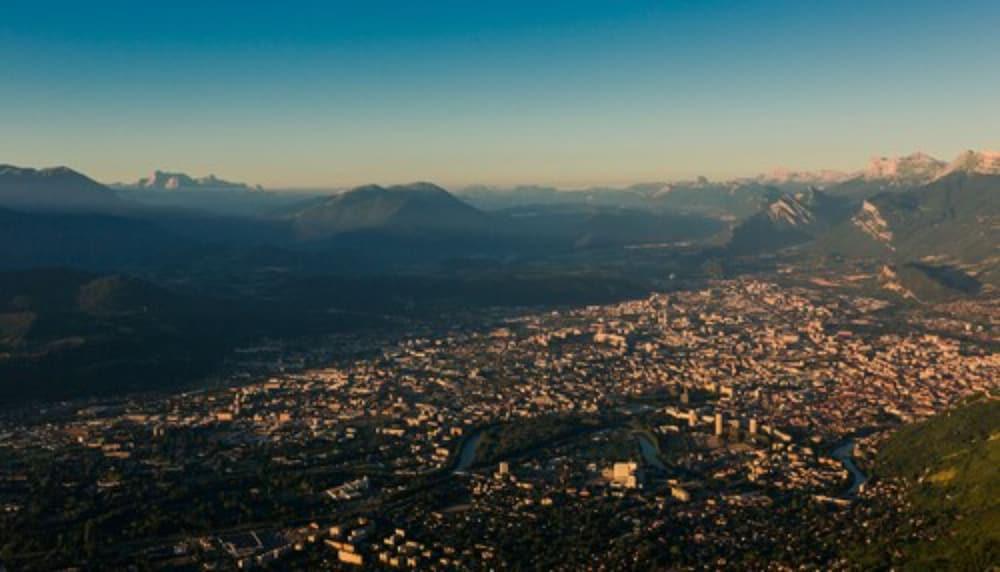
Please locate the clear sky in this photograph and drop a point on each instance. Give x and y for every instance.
(291, 93)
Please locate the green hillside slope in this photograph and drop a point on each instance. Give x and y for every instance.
(949, 467)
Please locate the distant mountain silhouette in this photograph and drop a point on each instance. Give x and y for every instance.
(55, 189)
(416, 209)
(497, 198)
(588, 226)
(167, 181)
(723, 200)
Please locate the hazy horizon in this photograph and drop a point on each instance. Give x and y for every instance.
(517, 184)
(334, 95)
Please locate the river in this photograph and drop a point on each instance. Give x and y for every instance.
(845, 454)
(467, 455)
(649, 452)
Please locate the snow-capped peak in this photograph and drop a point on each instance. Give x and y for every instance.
(789, 210)
(870, 220)
(787, 176)
(180, 181)
(979, 162)
(916, 167)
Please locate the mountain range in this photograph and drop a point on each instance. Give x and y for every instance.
(418, 208)
(740, 197)
(891, 174)
(912, 209)
(952, 221)
(167, 181)
(937, 238)
(89, 273)
(55, 189)
(701, 197)
(206, 194)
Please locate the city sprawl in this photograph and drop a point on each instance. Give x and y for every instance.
(705, 428)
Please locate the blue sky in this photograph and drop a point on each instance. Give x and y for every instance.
(566, 93)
